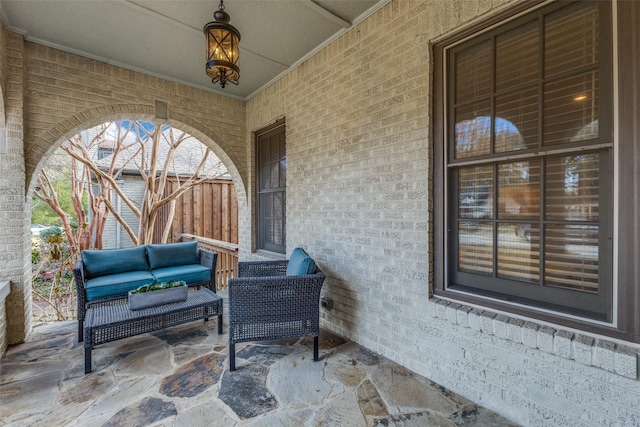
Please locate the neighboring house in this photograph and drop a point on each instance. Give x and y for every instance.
(114, 235)
(534, 315)
(185, 161)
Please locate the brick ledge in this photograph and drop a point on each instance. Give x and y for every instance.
(587, 350)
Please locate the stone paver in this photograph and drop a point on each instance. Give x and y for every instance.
(180, 376)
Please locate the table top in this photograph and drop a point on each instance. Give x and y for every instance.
(120, 312)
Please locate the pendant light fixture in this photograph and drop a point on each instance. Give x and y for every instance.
(222, 48)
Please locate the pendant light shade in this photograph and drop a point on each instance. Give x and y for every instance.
(222, 48)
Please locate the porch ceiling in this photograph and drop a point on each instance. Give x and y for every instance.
(165, 39)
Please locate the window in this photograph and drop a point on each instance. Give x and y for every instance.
(526, 162)
(272, 188)
(104, 152)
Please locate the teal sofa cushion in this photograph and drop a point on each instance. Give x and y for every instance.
(116, 284)
(113, 261)
(300, 263)
(171, 254)
(189, 273)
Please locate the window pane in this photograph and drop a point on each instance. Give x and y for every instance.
(272, 206)
(517, 56)
(516, 124)
(475, 192)
(473, 72)
(283, 172)
(571, 259)
(268, 205)
(274, 145)
(271, 164)
(475, 244)
(265, 176)
(519, 190)
(519, 252)
(278, 219)
(571, 38)
(573, 188)
(571, 109)
(473, 130)
(275, 174)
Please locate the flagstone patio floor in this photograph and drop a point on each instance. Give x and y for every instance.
(180, 377)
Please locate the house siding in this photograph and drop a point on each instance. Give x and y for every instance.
(114, 235)
(360, 201)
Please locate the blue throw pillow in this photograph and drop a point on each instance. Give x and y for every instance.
(172, 254)
(300, 263)
(113, 261)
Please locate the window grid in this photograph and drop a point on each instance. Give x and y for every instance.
(271, 184)
(479, 128)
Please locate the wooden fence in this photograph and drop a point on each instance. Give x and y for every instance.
(207, 213)
(227, 264)
(209, 210)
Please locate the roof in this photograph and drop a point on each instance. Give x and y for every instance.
(186, 157)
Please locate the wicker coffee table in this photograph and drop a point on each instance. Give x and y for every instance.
(116, 321)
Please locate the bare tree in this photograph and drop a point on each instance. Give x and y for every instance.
(80, 238)
(156, 173)
(151, 150)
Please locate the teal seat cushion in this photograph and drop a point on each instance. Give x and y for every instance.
(189, 273)
(300, 263)
(170, 254)
(116, 284)
(113, 261)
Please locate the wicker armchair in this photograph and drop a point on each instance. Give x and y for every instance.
(266, 304)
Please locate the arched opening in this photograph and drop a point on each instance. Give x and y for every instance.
(204, 135)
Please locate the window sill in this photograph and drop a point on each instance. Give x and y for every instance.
(588, 350)
(268, 255)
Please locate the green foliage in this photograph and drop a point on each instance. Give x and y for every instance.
(35, 253)
(159, 285)
(60, 286)
(53, 285)
(55, 243)
(58, 167)
(50, 233)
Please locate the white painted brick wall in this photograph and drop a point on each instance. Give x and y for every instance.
(359, 145)
(15, 250)
(358, 189)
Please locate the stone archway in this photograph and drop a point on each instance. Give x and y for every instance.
(95, 116)
(50, 140)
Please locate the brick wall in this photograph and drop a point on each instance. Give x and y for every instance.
(50, 94)
(14, 229)
(65, 92)
(358, 200)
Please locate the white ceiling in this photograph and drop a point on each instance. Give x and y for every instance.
(164, 38)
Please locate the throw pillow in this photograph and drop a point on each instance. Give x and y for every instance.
(300, 263)
(172, 254)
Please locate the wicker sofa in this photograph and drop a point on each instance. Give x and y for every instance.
(105, 276)
(273, 300)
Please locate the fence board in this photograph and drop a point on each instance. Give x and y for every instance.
(210, 211)
(208, 207)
